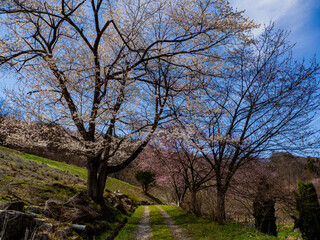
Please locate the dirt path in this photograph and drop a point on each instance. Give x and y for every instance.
(177, 232)
(144, 231)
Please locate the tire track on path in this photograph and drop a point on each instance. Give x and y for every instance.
(144, 232)
(177, 232)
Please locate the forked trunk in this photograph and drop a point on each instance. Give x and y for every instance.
(96, 181)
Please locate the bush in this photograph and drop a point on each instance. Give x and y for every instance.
(264, 210)
(146, 179)
(309, 211)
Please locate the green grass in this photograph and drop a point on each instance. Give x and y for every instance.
(120, 219)
(160, 230)
(71, 169)
(200, 228)
(135, 193)
(132, 226)
(34, 182)
(286, 232)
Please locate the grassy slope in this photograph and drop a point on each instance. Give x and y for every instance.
(34, 179)
(13, 158)
(34, 183)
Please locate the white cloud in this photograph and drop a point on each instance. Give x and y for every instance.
(262, 11)
(300, 17)
(290, 14)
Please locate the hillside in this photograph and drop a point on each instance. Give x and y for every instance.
(37, 182)
(18, 167)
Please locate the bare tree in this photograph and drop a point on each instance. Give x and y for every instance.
(263, 101)
(192, 168)
(111, 69)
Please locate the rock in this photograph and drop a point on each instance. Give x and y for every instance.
(48, 227)
(64, 233)
(53, 208)
(78, 199)
(127, 204)
(119, 200)
(16, 225)
(80, 214)
(44, 236)
(17, 206)
(121, 195)
(120, 207)
(143, 203)
(77, 209)
(34, 209)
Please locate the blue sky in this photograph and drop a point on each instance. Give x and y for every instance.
(301, 17)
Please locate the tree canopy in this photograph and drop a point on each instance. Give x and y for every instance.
(111, 70)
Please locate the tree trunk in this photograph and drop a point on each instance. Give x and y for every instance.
(194, 204)
(181, 198)
(220, 214)
(96, 180)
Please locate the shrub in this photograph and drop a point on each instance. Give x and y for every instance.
(309, 211)
(264, 210)
(146, 179)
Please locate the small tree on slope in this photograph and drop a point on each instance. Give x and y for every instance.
(146, 179)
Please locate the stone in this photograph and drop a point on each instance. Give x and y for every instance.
(77, 209)
(34, 209)
(16, 225)
(121, 195)
(48, 227)
(44, 236)
(80, 214)
(16, 206)
(78, 199)
(120, 207)
(63, 233)
(52, 208)
(143, 203)
(127, 204)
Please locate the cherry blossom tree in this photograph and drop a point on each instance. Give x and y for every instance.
(263, 101)
(111, 70)
(167, 171)
(178, 165)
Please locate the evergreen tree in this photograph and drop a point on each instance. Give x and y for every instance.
(264, 210)
(309, 211)
(146, 179)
